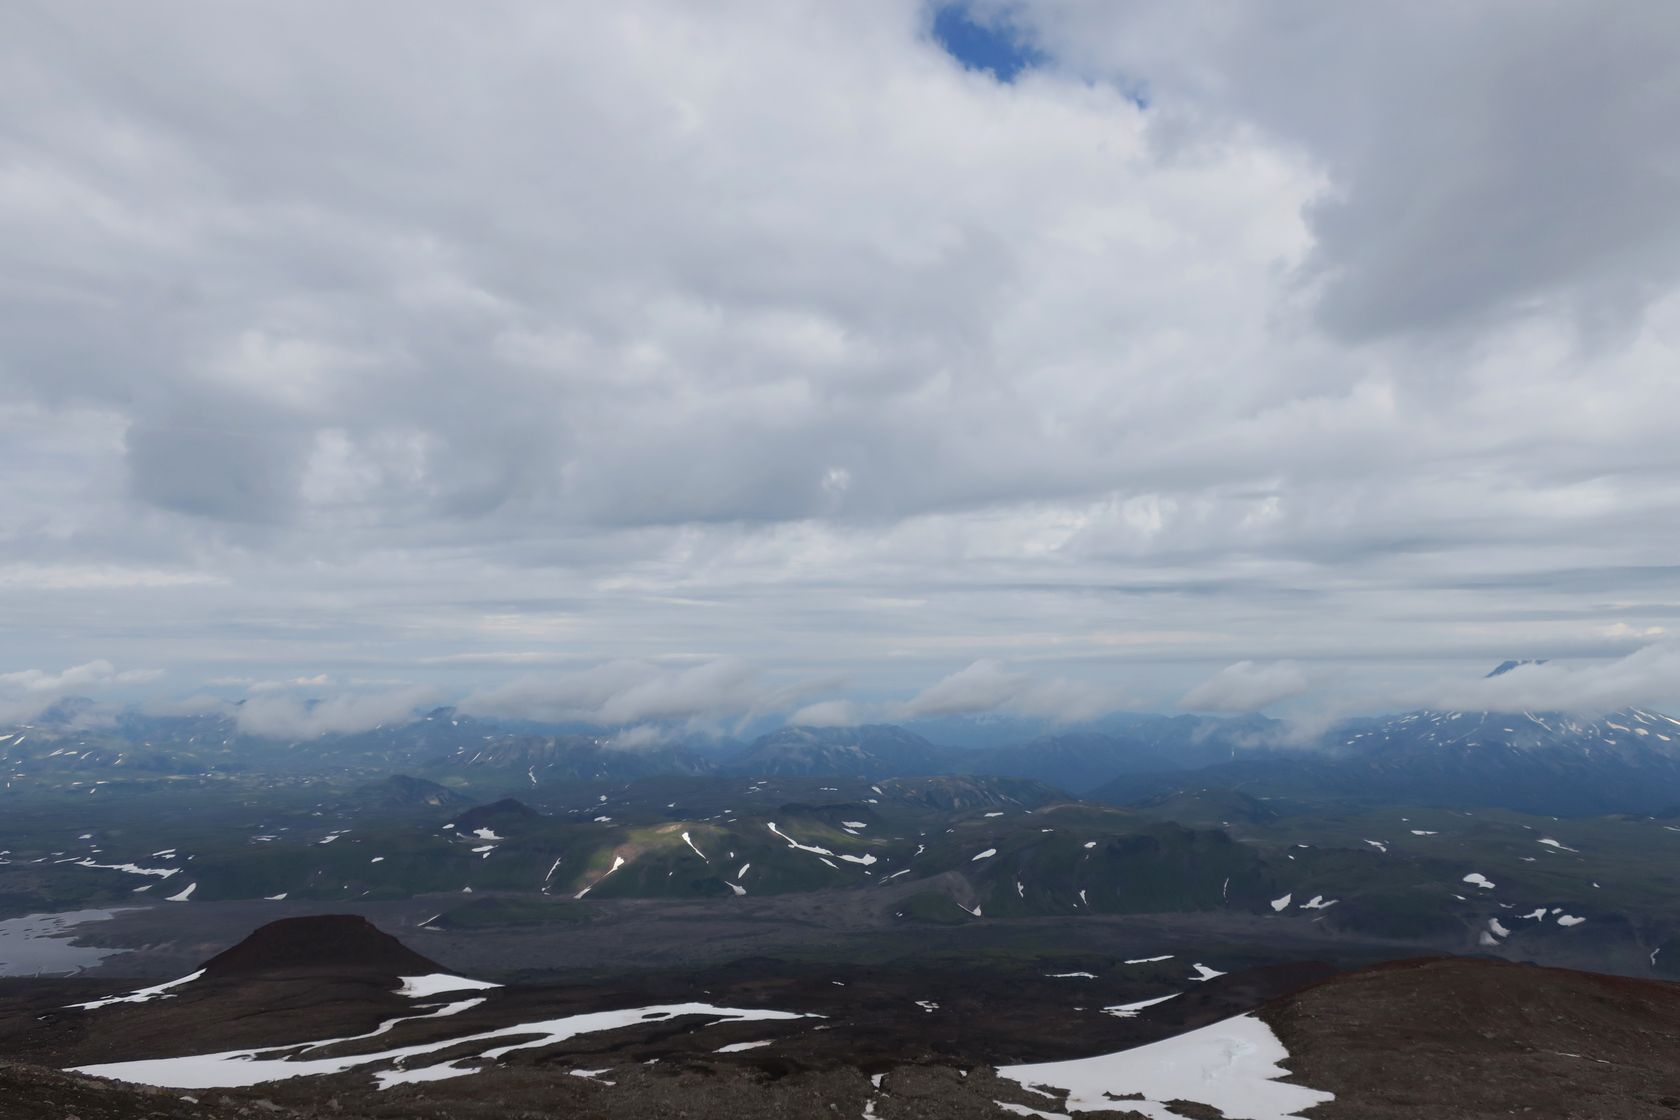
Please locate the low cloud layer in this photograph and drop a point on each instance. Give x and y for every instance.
(26, 693)
(1247, 686)
(1645, 678)
(286, 716)
(629, 692)
(992, 686)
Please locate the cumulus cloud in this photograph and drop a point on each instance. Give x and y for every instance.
(1213, 330)
(1247, 686)
(286, 716)
(1483, 191)
(990, 685)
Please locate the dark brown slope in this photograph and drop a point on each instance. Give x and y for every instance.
(297, 978)
(33, 1093)
(343, 944)
(1470, 1038)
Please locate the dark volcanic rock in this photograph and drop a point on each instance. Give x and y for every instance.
(1472, 1038)
(401, 791)
(497, 814)
(34, 1093)
(341, 944)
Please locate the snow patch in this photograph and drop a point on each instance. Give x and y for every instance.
(1130, 1010)
(436, 983)
(1232, 1066)
(236, 1068)
(144, 995)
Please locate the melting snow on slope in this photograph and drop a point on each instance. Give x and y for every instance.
(144, 995)
(234, 1068)
(1018, 1110)
(1477, 879)
(987, 854)
(1203, 972)
(1150, 960)
(1317, 902)
(436, 983)
(1282, 904)
(184, 895)
(792, 843)
(130, 868)
(697, 851)
(1232, 1066)
(618, 862)
(1130, 1010)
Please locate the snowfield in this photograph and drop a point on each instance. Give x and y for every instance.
(235, 1068)
(436, 983)
(1232, 1066)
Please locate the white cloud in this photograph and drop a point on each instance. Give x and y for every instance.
(1247, 686)
(627, 692)
(26, 693)
(828, 713)
(196, 704)
(989, 685)
(284, 716)
(639, 737)
(858, 362)
(1647, 677)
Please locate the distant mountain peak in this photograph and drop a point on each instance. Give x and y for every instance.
(1506, 666)
(336, 943)
(508, 810)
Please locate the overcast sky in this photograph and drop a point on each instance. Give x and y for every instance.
(664, 361)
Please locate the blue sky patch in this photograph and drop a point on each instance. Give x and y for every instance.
(992, 45)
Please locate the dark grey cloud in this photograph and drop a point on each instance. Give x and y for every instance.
(1480, 159)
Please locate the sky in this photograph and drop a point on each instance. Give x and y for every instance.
(659, 361)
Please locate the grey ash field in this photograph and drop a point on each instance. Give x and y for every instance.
(908, 936)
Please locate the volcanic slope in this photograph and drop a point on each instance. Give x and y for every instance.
(1456, 1037)
(1471, 1038)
